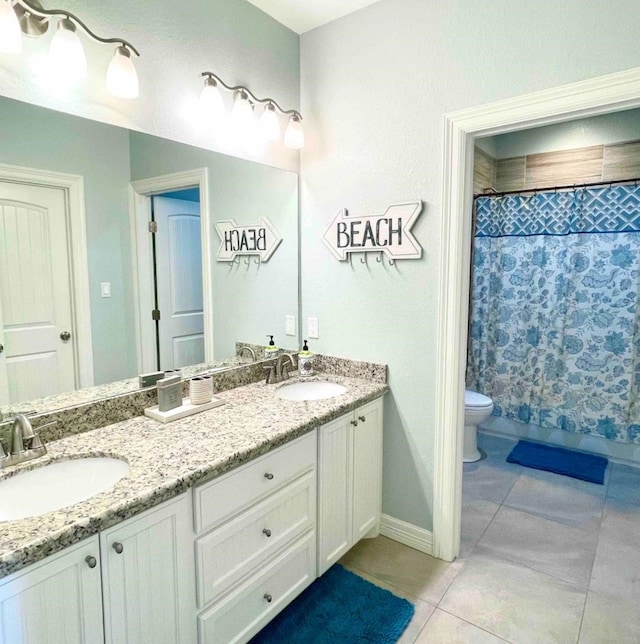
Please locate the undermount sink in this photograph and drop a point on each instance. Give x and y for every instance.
(57, 485)
(311, 390)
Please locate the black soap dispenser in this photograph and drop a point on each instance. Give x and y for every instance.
(270, 351)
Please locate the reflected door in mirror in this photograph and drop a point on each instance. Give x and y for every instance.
(178, 259)
(35, 294)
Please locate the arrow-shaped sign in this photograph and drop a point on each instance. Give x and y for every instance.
(257, 239)
(389, 233)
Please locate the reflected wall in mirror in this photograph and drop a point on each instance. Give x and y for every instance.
(41, 252)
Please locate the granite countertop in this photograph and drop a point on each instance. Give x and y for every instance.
(166, 460)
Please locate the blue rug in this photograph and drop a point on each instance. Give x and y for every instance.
(339, 607)
(578, 465)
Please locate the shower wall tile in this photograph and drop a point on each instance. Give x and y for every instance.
(621, 161)
(566, 167)
(484, 171)
(510, 174)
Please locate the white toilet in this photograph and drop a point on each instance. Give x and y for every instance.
(477, 408)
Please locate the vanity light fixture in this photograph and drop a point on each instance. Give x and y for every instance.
(242, 112)
(66, 52)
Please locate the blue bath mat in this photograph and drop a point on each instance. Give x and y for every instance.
(339, 608)
(578, 465)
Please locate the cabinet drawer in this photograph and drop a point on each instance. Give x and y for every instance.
(242, 544)
(231, 493)
(246, 611)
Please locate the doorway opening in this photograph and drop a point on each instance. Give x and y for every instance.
(172, 264)
(615, 92)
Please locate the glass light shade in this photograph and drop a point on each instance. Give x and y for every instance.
(10, 34)
(294, 134)
(66, 52)
(122, 78)
(242, 112)
(211, 100)
(269, 126)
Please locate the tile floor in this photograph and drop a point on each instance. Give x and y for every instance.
(544, 558)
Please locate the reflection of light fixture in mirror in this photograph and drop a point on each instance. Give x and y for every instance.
(66, 51)
(10, 36)
(268, 129)
(122, 79)
(294, 134)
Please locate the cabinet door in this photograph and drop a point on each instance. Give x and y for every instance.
(367, 470)
(149, 577)
(334, 497)
(56, 601)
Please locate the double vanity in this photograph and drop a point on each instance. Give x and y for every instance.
(218, 522)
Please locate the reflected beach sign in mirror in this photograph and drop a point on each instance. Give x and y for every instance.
(260, 239)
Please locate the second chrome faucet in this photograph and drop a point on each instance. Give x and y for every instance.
(26, 444)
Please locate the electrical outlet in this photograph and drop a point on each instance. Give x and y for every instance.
(313, 331)
(290, 324)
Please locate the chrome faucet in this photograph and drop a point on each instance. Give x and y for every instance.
(252, 353)
(26, 444)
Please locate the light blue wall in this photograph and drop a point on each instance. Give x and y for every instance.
(375, 87)
(48, 140)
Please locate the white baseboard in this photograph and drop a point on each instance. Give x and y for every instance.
(407, 533)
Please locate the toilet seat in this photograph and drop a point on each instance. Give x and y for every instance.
(473, 400)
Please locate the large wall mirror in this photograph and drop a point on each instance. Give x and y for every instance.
(66, 182)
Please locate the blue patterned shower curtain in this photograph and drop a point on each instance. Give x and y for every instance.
(554, 329)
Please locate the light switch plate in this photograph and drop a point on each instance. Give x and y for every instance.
(105, 289)
(313, 331)
(290, 324)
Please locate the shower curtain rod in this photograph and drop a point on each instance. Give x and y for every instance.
(573, 186)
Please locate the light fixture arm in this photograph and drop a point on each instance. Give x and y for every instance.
(242, 88)
(40, 12)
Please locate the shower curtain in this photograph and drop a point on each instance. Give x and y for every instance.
(554, 323)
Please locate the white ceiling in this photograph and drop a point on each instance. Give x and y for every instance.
(303, 15)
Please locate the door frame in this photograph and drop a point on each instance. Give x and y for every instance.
(604, 94)
(140, 193)
(72, 186)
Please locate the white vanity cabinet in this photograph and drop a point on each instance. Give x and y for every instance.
(256, 544)
(138, 576)
(349, 481)
(55, 601)
(147, 576)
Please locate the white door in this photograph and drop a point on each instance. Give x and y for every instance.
(179, 282)
(35, 294)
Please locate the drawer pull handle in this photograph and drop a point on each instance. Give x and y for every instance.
(266, 532)
(362, 418)
(268, 476)
(268, 597)
(117, 547)
(354, 423)
(92, 562)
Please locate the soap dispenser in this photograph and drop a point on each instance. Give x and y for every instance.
(305, 361)
(271, 351)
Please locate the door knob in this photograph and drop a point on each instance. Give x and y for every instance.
(1, 348)
(91, 561)
(362, 418)
(117, 547)
(65, 335)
